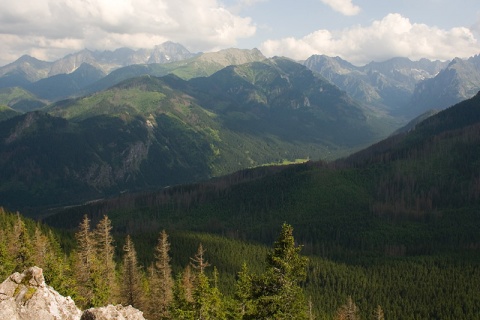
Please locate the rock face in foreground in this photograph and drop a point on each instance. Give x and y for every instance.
(25, 296)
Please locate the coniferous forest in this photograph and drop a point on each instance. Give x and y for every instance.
(201, 276)
(391, 232)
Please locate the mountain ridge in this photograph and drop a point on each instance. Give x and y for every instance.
(399, 87)
(150, 132)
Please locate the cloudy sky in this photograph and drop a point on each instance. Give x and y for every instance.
(356, 30)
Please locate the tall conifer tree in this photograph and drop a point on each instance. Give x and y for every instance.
(105, 252)
(161, 284)
(348, 311)
(22, 246)
(277, 293)
(131, 287)
(84, 264)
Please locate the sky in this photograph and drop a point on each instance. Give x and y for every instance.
(358, 31)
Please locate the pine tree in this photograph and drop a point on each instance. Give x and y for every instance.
(277, 293)
(161, 282)
(131, 288)
(106, 290)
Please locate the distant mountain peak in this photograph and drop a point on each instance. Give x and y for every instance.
(233, 56)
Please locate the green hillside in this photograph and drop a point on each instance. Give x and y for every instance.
(411, 194)
(202, 65)
(19, 99)
(150, 132)
(393, 225)
(7, 112)
(389, 225)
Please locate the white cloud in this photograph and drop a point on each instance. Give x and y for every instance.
(345, 7)
(392, 36)
(51, 28)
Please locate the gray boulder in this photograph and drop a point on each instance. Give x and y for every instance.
(112, 312)
(25, 296)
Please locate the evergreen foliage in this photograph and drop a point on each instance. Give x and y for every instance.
(85, 265)
(105, 251)
(161, 281)
(131, 287)
(403, 286)
(348, 311)
(277, 294)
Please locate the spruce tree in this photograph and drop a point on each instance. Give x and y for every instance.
(6, 260)
(131, 287)
(378, 313)
(161, 282)
(348, 311)
(40, 247)
(182, 304)
(198, 262)
(21, 246)
(208, 303)
(84, 264)
(277, 293)
(106, 290)
(57, 271)
(243, 292)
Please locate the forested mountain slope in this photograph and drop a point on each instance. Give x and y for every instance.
(152, 132)
(398, 287)
(414, 193)
(393, 225)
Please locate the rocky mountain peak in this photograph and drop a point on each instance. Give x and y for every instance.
(233, 56)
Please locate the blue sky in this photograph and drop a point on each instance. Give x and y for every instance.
(357, 30)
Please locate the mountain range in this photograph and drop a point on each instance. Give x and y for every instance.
(387, 86)
(413, 194)
(98, 132)
(149, 132)
(398, 87)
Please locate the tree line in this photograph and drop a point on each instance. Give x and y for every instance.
(406, 288)
(93, 277)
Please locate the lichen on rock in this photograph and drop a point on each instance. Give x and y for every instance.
(26, 296)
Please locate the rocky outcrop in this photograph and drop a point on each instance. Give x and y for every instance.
(25, 296)
(111, 312)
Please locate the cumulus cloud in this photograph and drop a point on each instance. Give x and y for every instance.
(392, 36)
(50, 27)
(345, 7)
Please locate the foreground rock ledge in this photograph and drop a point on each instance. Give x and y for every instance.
(25, 296)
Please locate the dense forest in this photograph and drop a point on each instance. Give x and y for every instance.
(395, 225)
(199, 276)
(390, 232)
